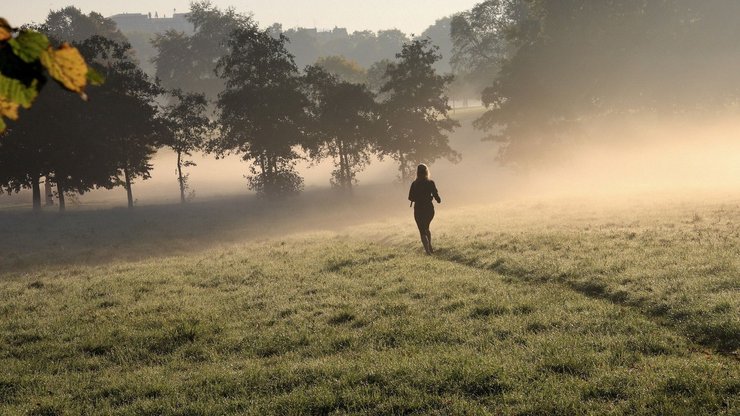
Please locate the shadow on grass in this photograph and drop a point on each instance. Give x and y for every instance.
(32, 241)
(717, 331)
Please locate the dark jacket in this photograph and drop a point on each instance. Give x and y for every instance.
(422, 191)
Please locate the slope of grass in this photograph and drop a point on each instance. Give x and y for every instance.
(526, 310)
(678, 265)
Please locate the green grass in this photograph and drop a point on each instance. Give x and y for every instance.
(525, 310)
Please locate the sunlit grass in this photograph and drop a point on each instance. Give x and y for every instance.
(526, 309)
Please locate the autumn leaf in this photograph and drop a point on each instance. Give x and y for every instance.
(6, 32)
(94, 77)
(15, 92)
(68, 67)
(8, 109)
(29, 45)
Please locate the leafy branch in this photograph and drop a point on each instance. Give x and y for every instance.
(27, 60)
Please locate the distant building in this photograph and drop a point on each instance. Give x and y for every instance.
(139, 22)
(312, 31)
(340, 31)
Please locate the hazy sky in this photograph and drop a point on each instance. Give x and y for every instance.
(411, 16)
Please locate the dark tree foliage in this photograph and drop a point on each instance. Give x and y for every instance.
(343, 125)
(480, 39)
(343, 68)
(262, 111)
(579, 60)
(23, 158)
(71, 25)
(125, 117)
(416, 110)
(376, 76)
(57, 141)
(188, 62)
(79, 146)
(187, 127)
(17, 173)
(440, 34)
(54, 141)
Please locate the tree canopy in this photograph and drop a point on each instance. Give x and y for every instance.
(187, 128)
(578, 60)
(262, 112)
(188, 62)
(343, 68)
(76, 146)
(344, 125)
(416, 110)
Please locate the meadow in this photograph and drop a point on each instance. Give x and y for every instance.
(527, 308)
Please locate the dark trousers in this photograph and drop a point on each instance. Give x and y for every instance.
(423, 216)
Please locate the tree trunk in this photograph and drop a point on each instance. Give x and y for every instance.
(402, 162)
(272, 162)
(348, 173)
(129, 194)
(49, 194)
(179, 177)
(36, 193)
(345, 181)
(60, 195)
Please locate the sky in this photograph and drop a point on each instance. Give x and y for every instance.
(410, 16)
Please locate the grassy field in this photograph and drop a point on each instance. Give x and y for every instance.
(527, 308)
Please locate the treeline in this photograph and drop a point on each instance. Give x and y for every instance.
(228, 88)
(552, 68)
(364, 49)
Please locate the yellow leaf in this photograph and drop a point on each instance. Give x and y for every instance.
(8, 109)
(67, 66)
(6, 32)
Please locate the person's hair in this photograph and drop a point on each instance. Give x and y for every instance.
(422, 172)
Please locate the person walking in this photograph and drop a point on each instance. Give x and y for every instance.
(422, 191)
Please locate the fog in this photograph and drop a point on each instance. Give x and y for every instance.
(604, 118)
(636, 158)
(670, 157)
(651, 163)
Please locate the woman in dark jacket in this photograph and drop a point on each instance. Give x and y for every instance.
(421, 194)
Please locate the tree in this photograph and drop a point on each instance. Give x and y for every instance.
(579, 61)
(262, 111)
(19, 166)
(189, 62)
(481, 40)
(27, 60)
(80, 147)
(440, 34)
(187, 129)
(343, 68)
(74, 26)
(57, 140)
(416, 110)
(343, 125)
(376, 75)
(127, 119)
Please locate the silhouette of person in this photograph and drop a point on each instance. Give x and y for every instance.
(422, 191)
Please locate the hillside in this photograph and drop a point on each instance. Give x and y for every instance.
(528, 308)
